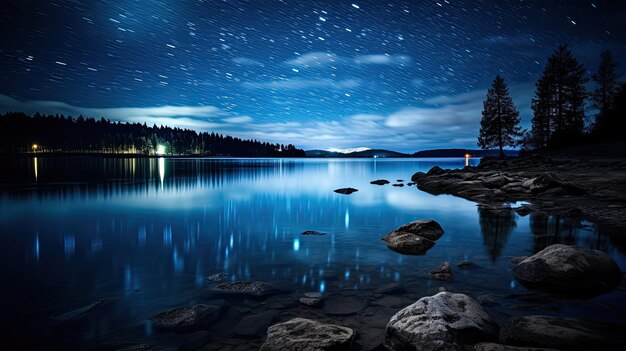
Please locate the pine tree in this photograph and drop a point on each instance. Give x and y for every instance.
(607, 86)
(499, 126)
(559, 102)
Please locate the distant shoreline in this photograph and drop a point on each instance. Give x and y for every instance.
(108, 155)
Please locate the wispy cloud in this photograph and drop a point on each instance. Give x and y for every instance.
(322, 59)
(382, 59)
(318, 58)
(298, 84)
(244, 61)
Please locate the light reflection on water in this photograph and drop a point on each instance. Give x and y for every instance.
(145, 233)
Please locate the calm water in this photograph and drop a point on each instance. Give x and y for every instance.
(143, 234)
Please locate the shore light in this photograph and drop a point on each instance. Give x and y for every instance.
(35, 147)
(467, 157)
(160, 150)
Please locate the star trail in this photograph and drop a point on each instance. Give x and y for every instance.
(401, 75)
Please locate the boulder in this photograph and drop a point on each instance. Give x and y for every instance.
(414, 238)
(415, 177)
(189, 318)
(346, 191)
(379, 182)
(562, 333)
(435, 171)
(253, 289)
(489, 346)
(398, 184)
(441, 322)
(443, 273)
(569, 270)
(426, 228)
(306, 334)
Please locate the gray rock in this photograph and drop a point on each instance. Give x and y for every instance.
(379, 182)
(217, 277)
(489, 346)
(311, 298)
(569, 270)
(254, 289)
(443, 273)
(255, 325)
(346, 191)
(441, 322)
(305, 334)
(189, 318)
(562, 333)
(426, 228)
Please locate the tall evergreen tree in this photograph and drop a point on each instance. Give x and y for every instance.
(559, 102)
(499, 126)
(607, 86)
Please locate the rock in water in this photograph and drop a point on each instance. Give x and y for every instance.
(74, 314)
(398, 185)
(562, 333)
(414, 238)
(255, 325)
(311, 298)
(415, 177)
(312, 232)
(255, 289)
(443, 273)
(379, 182)
(569, 270)
(443, 322)
(346, 191)
(217, 277)
(435, 170)
(189, 318)
(305, 334)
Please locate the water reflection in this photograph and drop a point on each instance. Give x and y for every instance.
(496, 225)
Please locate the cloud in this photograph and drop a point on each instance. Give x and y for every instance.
(238, 119)
(317, 58)
(382, 59)
(298, 84)
(246, 61)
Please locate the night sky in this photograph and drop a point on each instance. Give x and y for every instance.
(401, 75)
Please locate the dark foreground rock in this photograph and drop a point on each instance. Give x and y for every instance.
(562, 333)
(380, 182)
(346, 191)
(560, 184)
(441, 322)
(252, 289)
(569, 270)
(414, 238)
(489, 346)
(305, 334)
(189, 318)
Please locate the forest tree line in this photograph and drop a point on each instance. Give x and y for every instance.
(21, 133)
(559, 107)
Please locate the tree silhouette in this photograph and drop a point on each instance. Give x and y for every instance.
(499, 126)
(559, 102)
(607, 87)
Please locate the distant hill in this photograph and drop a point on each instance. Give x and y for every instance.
(462, 152)
(365, 153)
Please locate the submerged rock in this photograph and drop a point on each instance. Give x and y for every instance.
(311, 298)
(441, 322)
(443, 273)
(217, 277)
(390, 288)
(569, 270)
(380, 182)
(562, 333)
(343, 305)
(305, 334)
(346, 191)
(467, 265)
(255, 325)
(255, 289)
(312, 232)
(189, 318)
(74, 314)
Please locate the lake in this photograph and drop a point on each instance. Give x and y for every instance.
(142, 235)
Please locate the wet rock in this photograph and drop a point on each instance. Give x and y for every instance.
(217, 277)
(441, 322)
(311, 299)
(189, 318)
(346, 191)
(379, 182)
(443, 273)
(253, 289)
(342, 305)
(415, 177)
(426, 228)
(312, 232)
(398, 185)
(467, 265)
(306, 334)
(562, 333)
(489, 346)
(255, 325)
(407, 243)
(390, 288)
(569, 270)
(435, 171)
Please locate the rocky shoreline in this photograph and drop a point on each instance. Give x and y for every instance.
(578, 188)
